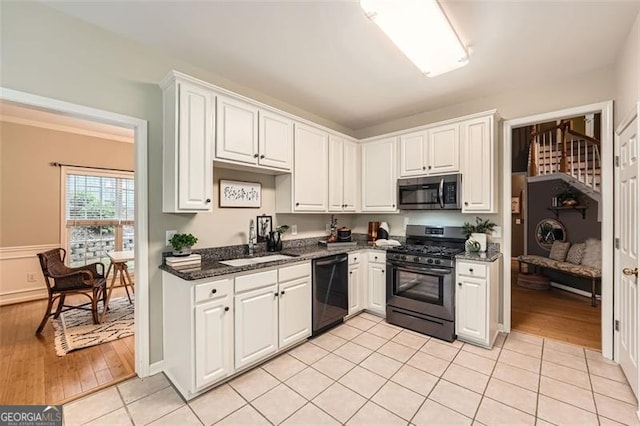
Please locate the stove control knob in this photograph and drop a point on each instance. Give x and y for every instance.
(429, 260)
(416, 259)
(437, 262)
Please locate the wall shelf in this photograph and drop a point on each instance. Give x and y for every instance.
(580, 209)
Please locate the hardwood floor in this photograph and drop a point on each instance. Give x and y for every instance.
(556, 314)
(31, 371)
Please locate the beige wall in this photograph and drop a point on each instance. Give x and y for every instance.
(628, 74)
(30, 190)
(50, 54)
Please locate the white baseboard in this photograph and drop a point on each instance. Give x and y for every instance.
(16, 264)
(156, 367)
(573, 290)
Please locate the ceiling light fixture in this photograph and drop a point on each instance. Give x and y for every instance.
(421, 31)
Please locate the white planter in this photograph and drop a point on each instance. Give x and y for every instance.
(481, 239)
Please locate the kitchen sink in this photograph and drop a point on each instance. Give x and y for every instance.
(255, 260)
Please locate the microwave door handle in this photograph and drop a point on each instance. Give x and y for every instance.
(441, 193)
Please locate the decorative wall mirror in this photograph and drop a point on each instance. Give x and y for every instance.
(548, 231)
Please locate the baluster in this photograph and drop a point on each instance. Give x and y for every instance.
(573, 170)
(593, 167)
(579, 162)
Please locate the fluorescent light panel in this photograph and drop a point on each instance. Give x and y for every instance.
(421, 31)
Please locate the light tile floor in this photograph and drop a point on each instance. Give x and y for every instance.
(368, 372)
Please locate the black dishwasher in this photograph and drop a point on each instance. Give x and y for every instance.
(330, 302)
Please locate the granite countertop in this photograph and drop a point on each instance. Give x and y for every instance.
(211, 267)
(488, 256)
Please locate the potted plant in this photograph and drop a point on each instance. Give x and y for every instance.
(274, 241)
(567, 195)
(182, 244)
(478, 233)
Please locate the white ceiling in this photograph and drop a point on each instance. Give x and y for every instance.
(326, 57)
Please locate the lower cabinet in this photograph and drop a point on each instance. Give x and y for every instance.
(215, 328)
(356, 284)
(376, 283)
(477, 301)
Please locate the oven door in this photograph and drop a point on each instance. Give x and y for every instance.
(421, 289)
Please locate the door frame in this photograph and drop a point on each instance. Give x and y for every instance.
(139, 126)
(606, 156)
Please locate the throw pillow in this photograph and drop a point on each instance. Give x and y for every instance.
(575, 253)
(559, 251)
(592, 253)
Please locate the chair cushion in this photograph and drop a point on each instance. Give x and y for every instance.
(592, 253)
(559, 251)
(575, 253)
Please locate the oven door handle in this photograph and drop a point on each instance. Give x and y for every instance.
(441, 193)
(438, 271)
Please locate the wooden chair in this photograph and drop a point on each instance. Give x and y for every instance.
(62, 281)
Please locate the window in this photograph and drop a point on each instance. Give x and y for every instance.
(98, 214)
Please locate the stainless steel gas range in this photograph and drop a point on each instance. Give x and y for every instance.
(420, 280)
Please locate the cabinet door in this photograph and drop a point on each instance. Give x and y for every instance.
(377, 301)
(214, 341)
(336, 173)
(310, 169)
(350, 176)
(256, 325)
(236, 131)
(355, 289)
(412, 154)
(275, 141)
(294, 311)
(443, 149)
(471, 309)
(478, 166)
(379, 176)
(195, 135)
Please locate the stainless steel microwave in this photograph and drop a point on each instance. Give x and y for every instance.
(430, 193)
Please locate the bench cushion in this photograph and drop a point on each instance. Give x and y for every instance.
(545, 262)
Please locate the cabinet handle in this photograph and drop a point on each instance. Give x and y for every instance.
(275, 294)
(262, 156)
(393, 205)
(471, 270)
(376, 258)
(355, 259)
(297, 204)
(383, 271)
(424, 168)
(208, 200)
(466, 203)
(429, 167)
(255, 155)
(214, 291)
(459, 284)
(226, 309)
(282, 293)
(350, 272)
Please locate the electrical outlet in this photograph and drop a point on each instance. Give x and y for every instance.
(294, 229)
(169, 234)
(497, 232)
(31, 277)
(327, 228)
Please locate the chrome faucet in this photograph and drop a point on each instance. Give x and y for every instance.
(252, 236)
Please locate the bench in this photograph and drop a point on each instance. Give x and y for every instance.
(583, 271)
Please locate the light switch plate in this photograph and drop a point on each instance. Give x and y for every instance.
(169, 234)
(294, 229)
(497, 232)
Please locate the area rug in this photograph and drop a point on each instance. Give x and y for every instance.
(75, 329)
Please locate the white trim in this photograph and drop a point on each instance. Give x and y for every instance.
(156, 367)
(606, 152)
(23, 252)
(141, 192)
(574, 290)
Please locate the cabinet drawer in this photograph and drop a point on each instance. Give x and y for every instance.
(253, 281)
(296, 271)
(213, 290)
(472, 269)
(354, 258)
(377, 257)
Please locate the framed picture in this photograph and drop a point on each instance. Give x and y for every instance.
(240, 194)
(515, 205)
(264, 226)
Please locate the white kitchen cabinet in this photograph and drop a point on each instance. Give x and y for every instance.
(379, 190)
(430, 151)
(356, 283)
(343, 174)
(294, 310)
(477, 301)
(376, 289)
(198, 332)
(214, 340)
(256, 317)
(188, 125)
(479, 166)
(236, 130)
(275, 140)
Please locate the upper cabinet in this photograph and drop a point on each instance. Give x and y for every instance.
(479, 166)
(188, 125)
(253, 136)
(343, 174)
(430, 151)
(379, 175)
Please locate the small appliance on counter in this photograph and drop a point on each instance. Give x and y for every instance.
(383, 231)
(344, 235)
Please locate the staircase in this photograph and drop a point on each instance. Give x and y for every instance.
(562, 153)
